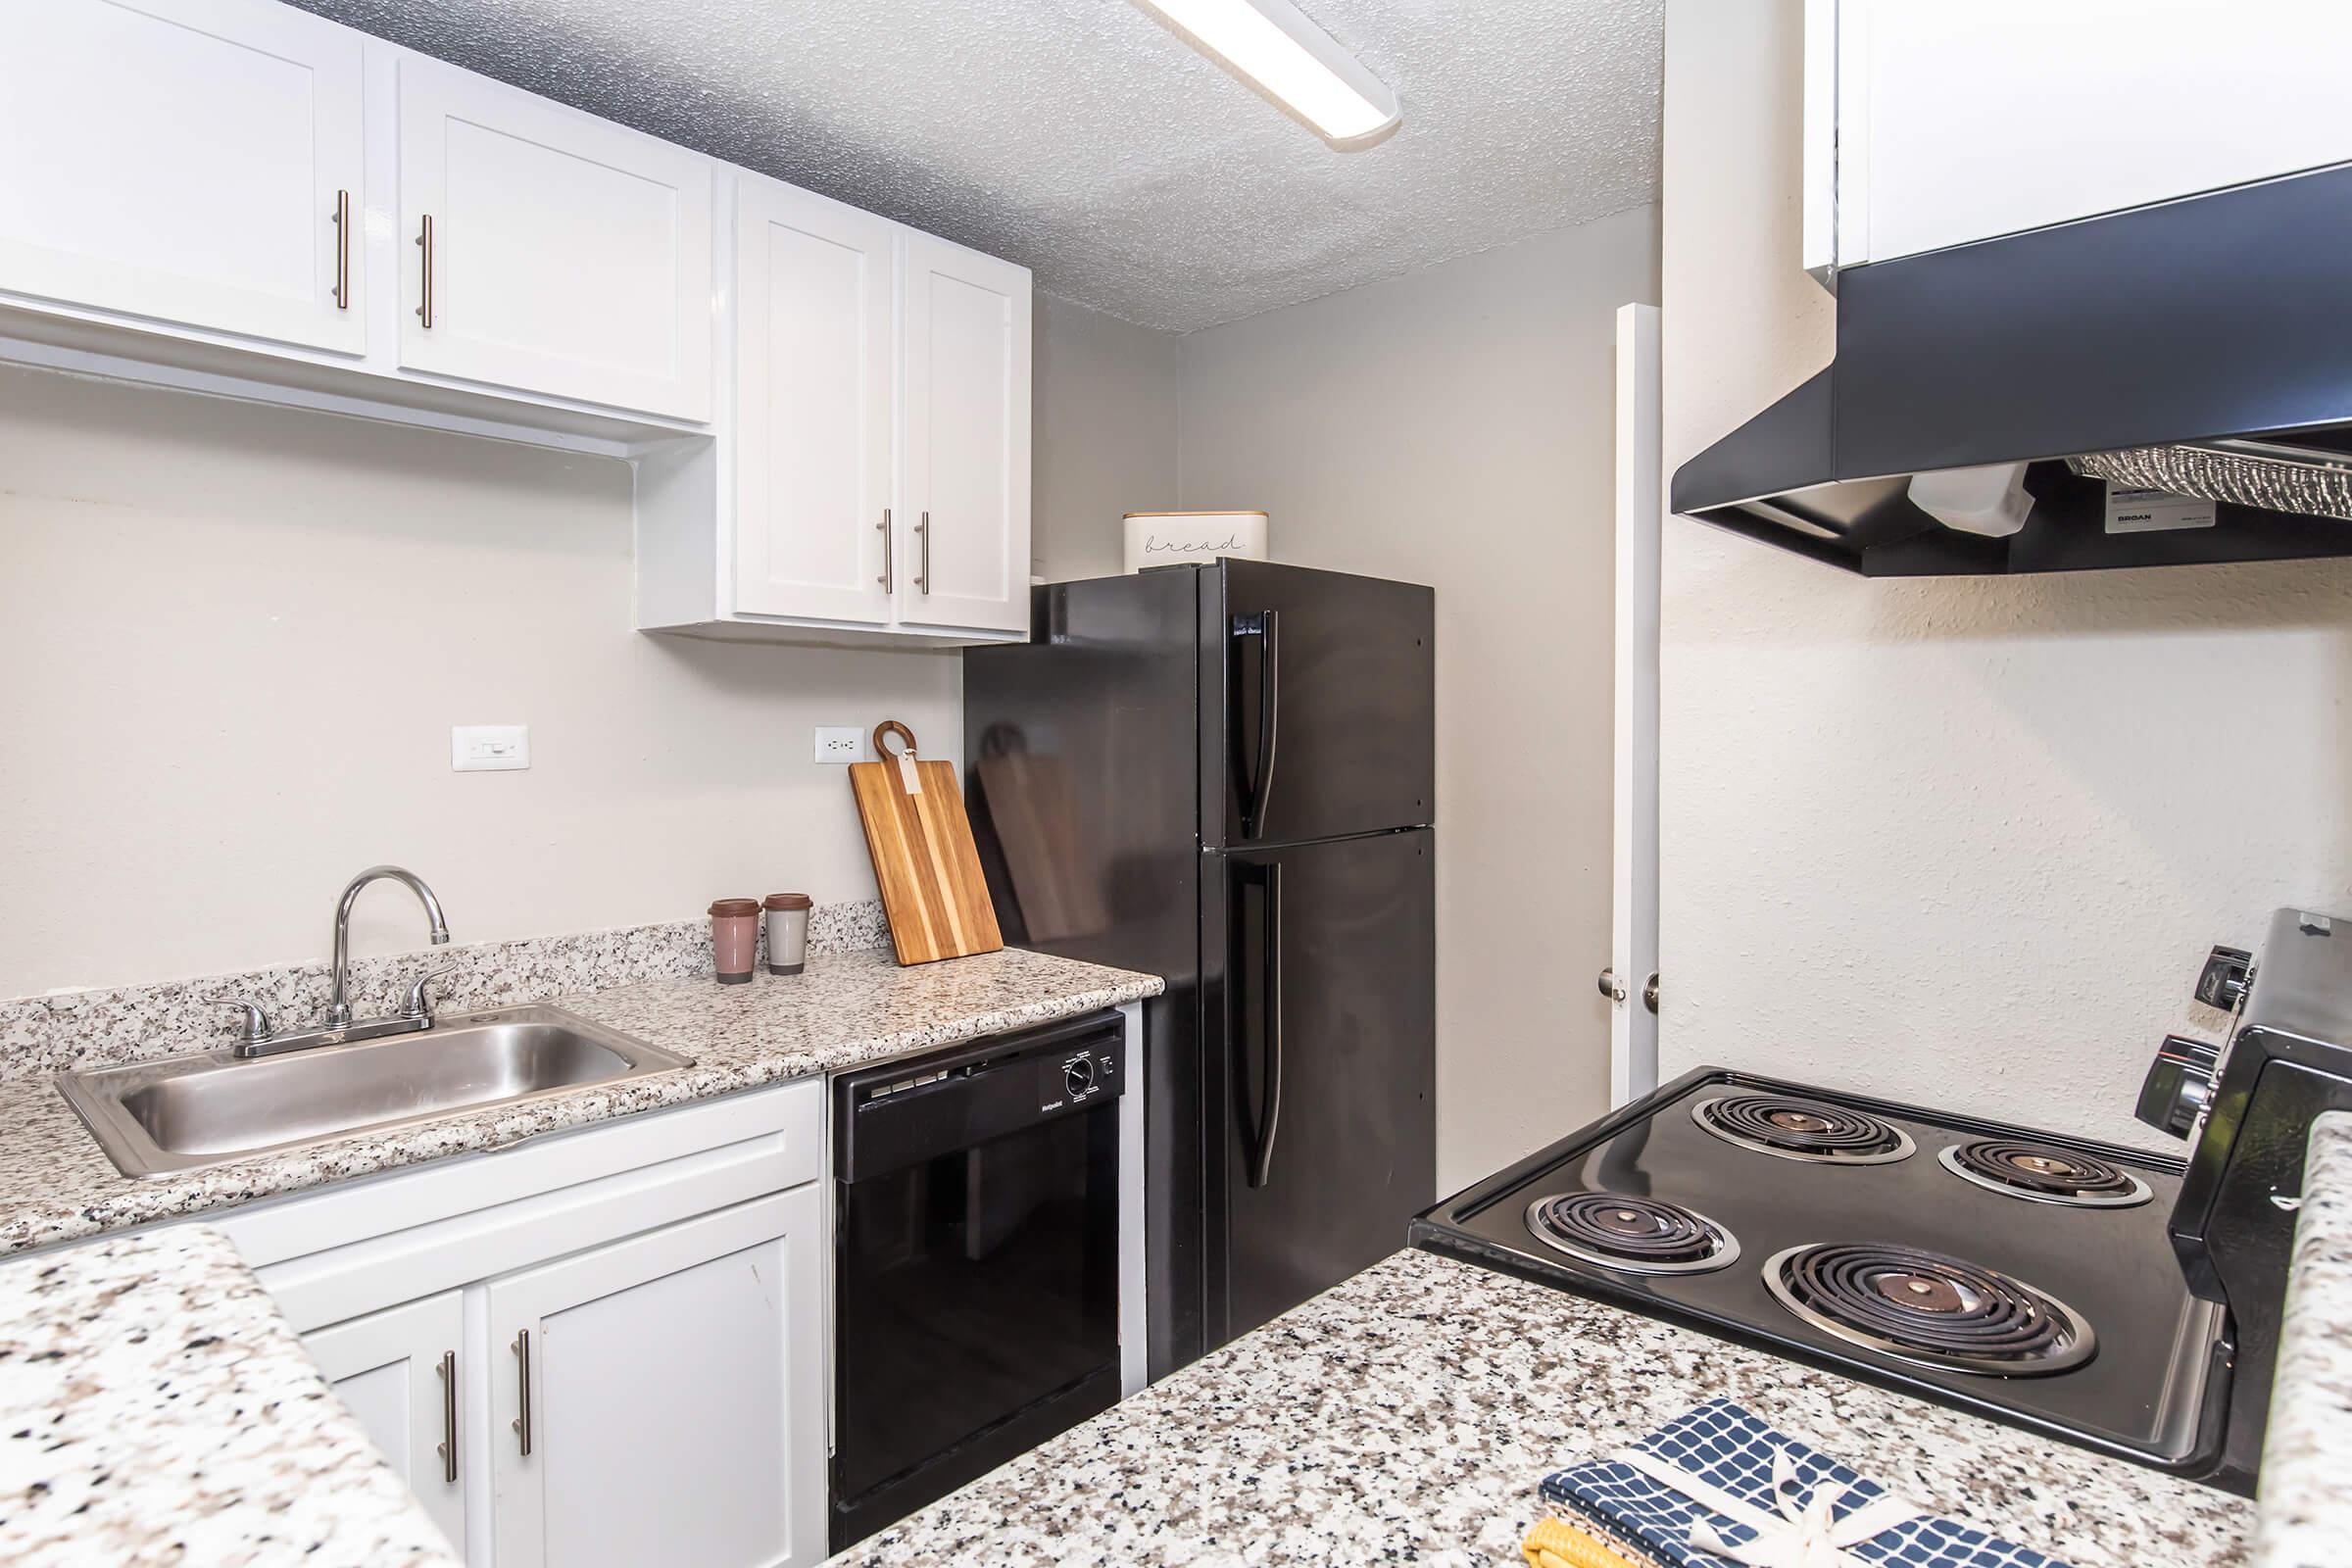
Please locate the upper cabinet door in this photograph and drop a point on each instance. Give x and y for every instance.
(1962, 122)
(815, 361)
(967, 440)
(551, 252)
(184, 161)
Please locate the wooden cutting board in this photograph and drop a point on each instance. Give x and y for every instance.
(924, 860)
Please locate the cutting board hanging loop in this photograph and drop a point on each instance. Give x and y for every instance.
(925, 864)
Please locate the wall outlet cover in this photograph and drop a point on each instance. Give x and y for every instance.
(840, 743)
(489, 748)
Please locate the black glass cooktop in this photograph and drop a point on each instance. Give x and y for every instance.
(2021, 1275)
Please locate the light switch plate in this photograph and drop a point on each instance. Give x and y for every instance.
(840, 743)
(489, 748)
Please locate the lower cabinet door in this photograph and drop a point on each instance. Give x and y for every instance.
(661, 1399)
(397, 1371)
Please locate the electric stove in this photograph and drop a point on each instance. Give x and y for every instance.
(2026, 1276)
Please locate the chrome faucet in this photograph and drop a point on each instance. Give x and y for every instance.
(256, 1037)
(338, 1002)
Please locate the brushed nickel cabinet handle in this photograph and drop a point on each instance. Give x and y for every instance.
(884, 526)
(342, 250)
(523, 1422)
(424, 239)
(922, 576)
(448, 1448)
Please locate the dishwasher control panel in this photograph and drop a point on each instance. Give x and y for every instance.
(1075, 1078)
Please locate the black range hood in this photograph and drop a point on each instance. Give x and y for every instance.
(2200, 349)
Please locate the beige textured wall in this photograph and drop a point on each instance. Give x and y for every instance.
(236, 639)
(1957, 842)
(1455, 427)
(1104, 396)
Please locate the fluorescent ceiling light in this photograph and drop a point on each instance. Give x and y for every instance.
(1269, 45)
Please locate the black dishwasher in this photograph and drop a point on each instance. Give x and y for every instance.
(976, 1261)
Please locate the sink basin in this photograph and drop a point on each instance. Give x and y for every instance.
(155, 1118)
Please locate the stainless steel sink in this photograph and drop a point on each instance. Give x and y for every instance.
(184, 1112)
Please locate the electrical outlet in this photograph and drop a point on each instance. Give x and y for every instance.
(489, 748)
(840, 743)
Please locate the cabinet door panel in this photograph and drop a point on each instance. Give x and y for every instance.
(676, 1401)
(815, 357)
(569, 256)
(181, 160)
(968, 438)
(389, 1367)
(1987, 119)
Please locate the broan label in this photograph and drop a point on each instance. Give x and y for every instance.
(2131, 510)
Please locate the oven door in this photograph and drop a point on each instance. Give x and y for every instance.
(976, 1263)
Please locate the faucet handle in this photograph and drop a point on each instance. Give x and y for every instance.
(256, 1027)
(421, 1004)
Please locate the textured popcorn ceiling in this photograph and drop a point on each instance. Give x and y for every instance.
(1081, 138)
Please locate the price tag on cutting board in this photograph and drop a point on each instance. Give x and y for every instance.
(925, 862)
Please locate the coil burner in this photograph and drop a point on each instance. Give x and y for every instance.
(1791, 1128)
(1930, 1309)
(2043, 1174)
(1637, 1235)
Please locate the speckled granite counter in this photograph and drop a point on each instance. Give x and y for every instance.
(845, 1010)
(159, 1410)
(1408, 1416)
(2306, 1501)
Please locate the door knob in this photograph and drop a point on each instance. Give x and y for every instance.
(1650, 993)
(1610, 986)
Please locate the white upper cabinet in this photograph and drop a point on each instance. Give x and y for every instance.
(549, 251)
(185, 162)
(966, 452)
(815, 379)
(1941, 125)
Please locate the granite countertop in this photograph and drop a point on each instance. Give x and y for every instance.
(2305, 1504)
(1409, 1414)
(844, 1010)
(159, 1410)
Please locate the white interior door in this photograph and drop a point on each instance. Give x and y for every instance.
(1633, 904)
(816, 358)
(397, 1371)
(669, 1392)
(968, 438)
(567, 255)
(186, 162)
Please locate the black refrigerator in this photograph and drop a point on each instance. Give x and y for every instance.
(1224, 774)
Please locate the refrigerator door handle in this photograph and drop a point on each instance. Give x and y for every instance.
(1263, 1165)
(1265, 626)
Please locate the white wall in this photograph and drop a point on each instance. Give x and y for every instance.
(236, 637)
(1454, 427)
(1955, 842)
(1105, 411)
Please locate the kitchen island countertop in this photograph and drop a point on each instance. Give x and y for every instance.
(1408, 1414)
(160, 1410)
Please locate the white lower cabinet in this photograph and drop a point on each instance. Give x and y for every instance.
(605, 1347)
(397, 1371)
(655, 1400)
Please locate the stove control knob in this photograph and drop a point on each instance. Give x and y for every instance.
(2179, 1086)
(2223, 982)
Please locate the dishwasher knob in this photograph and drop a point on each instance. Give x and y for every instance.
(1079, 1076)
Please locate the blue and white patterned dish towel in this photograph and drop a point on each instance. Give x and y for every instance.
(1716, 1488)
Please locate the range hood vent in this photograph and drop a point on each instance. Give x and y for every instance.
(2162, 386)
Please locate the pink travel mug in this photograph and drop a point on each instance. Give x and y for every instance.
(735, 939)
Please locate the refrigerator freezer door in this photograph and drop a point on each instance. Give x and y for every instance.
(1327, 721)
(1326, 1071)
